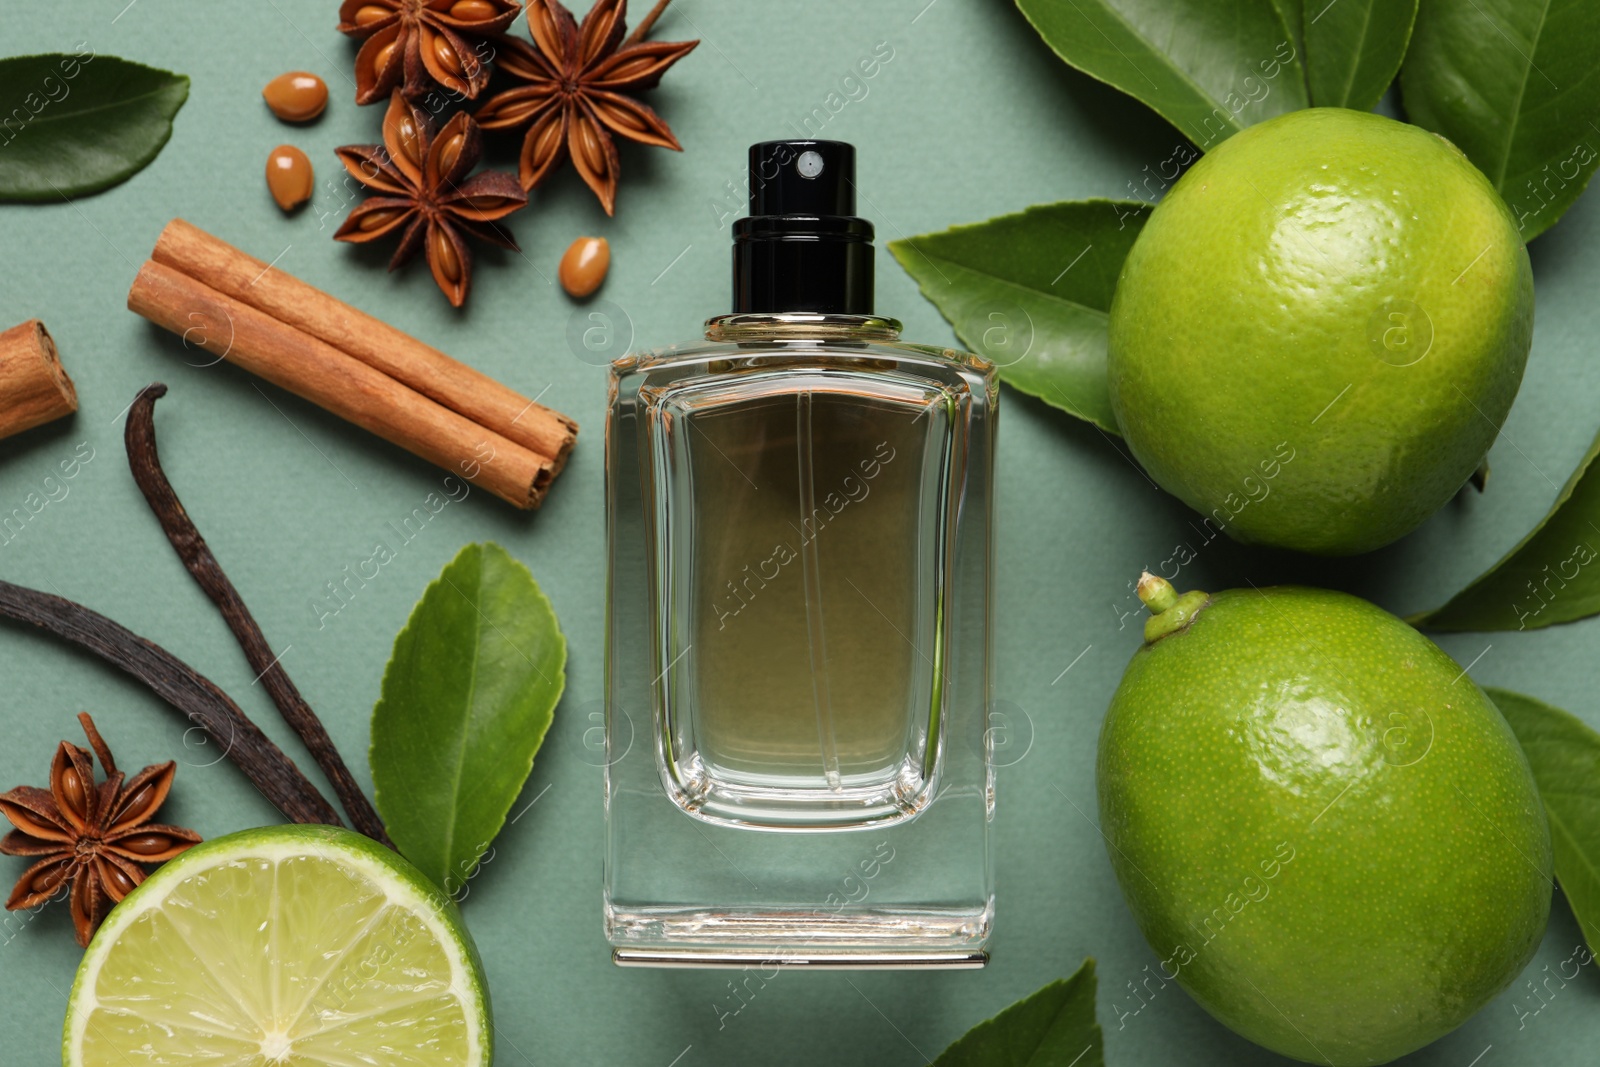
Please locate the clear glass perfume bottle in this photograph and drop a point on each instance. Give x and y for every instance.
(799, 516)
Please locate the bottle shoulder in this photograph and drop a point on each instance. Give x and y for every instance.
(830, 355)
(755, 357)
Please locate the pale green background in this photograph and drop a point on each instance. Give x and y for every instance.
(972, 117)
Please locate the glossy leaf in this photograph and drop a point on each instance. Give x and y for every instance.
(1515, 85)
(81, 123)
(468, 696)
(1209, 67)
(1031, 291)
(1565, 756)
(1551, 576)
(1293, 14)
(1054, 1027)
(1353, 49)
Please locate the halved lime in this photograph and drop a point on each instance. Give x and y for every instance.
(302, 945)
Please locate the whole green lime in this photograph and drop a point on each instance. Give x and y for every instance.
(1326, 831)
(1321, 328)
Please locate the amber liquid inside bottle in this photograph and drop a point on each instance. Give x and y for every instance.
(809, 624)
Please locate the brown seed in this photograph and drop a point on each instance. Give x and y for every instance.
(445, 253)
(297, 96)
(589, 146)
(584, 266)
(450, 151)
(483, 202)
(289, 176)
(381, 60)
(473, 10)
(135, 805)
(367, 14)
(146, 844)
(29, 825)
(117, 882)
(382, 217)
(403, 134)
(49, 877)
(445, 53)
(72, 786)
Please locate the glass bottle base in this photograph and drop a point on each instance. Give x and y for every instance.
(845, 961)
(689, 937)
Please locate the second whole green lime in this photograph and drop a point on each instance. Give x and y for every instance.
(1325, 830)
(1320, 330)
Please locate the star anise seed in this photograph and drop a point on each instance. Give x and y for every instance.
(420, 44)
(422, 192)
(571, 101)
(91, 837)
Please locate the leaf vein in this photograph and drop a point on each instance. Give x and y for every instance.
(45, 116)
(468, 696)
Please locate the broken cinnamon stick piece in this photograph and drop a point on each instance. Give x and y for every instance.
(34, 389)
(465, 390)
(340, 383)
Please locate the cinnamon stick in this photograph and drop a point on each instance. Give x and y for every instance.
(34, 389)
(465, 390)
(340, 383)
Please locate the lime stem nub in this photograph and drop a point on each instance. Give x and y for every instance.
(1169, 612)
(1156, 593)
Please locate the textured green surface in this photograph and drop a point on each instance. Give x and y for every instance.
(973, 118)
(1319, 331)
(1325, 829)
(467, 700)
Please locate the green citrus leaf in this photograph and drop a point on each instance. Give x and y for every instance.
(1209, 67)
(1031, 292)
(1516, 87)
(468, 696)
(1565, 757)
(1054, 1027)
(1293, 14)
(76, 124)
(1354, 48)
(1547, 578)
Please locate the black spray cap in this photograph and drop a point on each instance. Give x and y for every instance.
(802, 248)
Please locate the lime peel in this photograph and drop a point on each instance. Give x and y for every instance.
(411, 936)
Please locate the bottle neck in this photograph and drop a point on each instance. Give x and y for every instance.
(815, 263)
(801, 326)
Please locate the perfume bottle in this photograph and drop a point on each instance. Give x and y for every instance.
(799, 517)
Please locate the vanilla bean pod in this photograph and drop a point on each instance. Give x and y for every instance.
(180, 685)
(145, 462)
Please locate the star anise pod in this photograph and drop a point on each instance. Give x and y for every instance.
(571, 98)
(422, 192)
(90, 836)
(419, 44)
